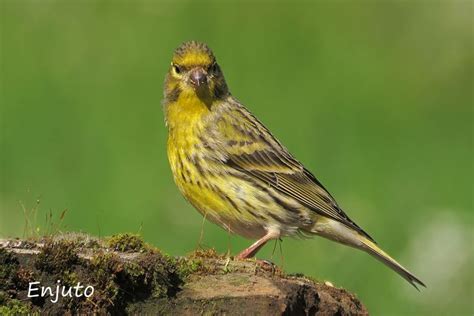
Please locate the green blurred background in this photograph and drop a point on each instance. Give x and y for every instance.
(374, 97)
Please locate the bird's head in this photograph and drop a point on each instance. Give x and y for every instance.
(194, 71)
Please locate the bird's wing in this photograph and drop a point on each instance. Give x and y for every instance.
(249, 147)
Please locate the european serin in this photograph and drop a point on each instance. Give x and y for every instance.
(230, 167)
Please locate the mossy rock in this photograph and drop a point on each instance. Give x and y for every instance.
(126, 242)
(132, 277)
(57, 256)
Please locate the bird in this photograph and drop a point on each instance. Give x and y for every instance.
(231, 168)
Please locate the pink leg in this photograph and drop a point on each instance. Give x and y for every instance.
(256, 246)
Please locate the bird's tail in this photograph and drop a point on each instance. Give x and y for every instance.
(374, 250)
(341, 233)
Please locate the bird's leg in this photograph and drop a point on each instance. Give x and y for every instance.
(274, 248)
(256, 246)
(199, 245)
(229, 246)
(281, 252)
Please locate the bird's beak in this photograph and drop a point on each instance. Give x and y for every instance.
(198, 77)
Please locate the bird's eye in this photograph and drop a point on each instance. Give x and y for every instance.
(177, 69)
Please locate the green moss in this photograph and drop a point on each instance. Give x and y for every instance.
(126, 242)
(227, 269)
(161, 274)
(8, 269)
(3, 298)
(186, 267)
(105, 263)
(70, 278)
(57, 256)
(195, 263)
(9, 273)
(119, 279)
(14, 307)
(103, 269)
(23, 277)
(205, 253)
(134, 277)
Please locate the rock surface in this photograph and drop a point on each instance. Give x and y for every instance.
(130, 277)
